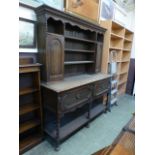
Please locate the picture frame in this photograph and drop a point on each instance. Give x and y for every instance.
(27, 33)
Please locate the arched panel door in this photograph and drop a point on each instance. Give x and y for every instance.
(98, 57)
(55, 57)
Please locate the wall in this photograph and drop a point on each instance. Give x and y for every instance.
(125, 18)
(128, 20)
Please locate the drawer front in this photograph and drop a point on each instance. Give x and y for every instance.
(101, 87)
(72, 99)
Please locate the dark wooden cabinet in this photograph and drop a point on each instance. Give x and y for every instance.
(70, 50)
(84, 92)
(67, 45)
(30, 109)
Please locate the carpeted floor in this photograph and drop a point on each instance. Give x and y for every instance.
(102, 132)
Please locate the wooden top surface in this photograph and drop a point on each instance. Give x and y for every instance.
(29, 65)
(74, 81)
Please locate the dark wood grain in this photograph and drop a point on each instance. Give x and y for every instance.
(28, 125)
(28, 90)
(26, 108)
(29, 142)
(56, 31)
(69, 48)
(30, 108)
(55, 57)
(99, 57)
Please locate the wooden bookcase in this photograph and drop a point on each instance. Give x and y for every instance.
(30, 111)
(117, 38)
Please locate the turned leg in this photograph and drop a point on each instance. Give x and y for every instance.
(108, 102)
(89, 113)
(57, 148)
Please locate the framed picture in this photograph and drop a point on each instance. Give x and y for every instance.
(27, 33)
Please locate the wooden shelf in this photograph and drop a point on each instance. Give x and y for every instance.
(74, 125)
(127, 40)
(121, 82)
(119, 61)
(30, 65)
(127, 45)
(116, 43)
(124, 72)
(116, 36)
(117, 29)
(117, 57)
(28, 68)
(126, 60)
(115, 48)
(79, 50)
(128, 35)
(123, 61)
(26, 108)
(124, 66)
(78, 62)
(66, 129)
(29, 142)
(25, 91)
(80, 39)
(125, 56)
(118, 67)
(28, 125)
(121, 88)
(126, 50)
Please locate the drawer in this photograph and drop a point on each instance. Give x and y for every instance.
(76, 97)
(101, 86)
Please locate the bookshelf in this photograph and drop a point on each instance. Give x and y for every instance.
(30, 109)
(117, 38)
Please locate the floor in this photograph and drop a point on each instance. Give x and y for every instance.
(102, 132)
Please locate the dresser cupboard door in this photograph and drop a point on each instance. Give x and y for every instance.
(55, 57)
(98, 57)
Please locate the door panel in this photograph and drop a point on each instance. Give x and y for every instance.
(55, 56)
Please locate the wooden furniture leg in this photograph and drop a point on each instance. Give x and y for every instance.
(57, 148)
(108, 102)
